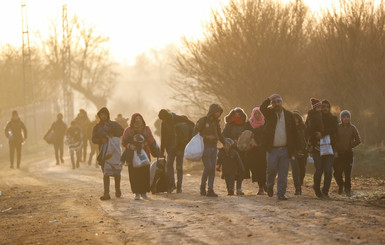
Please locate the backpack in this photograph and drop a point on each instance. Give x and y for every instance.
(183, 132)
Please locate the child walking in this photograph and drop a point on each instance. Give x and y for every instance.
(348, 137)
(112, 166)
(232, 168)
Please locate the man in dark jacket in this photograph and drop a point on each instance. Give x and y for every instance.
(324, 164)
(280, 140)
(209, 128)
(16, 133)
(174, 148)
(58, 129)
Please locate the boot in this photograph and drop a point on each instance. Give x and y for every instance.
(230, 192)
(105, 197)
(179, 189)
(77, 164)
(203, 190)
(298, 192)
(261, 191)
(118, 192)
(317, 192)
(171, 189)
(340, 190)
(211, 193)
(240, 192)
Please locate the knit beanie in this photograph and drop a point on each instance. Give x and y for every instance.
(229, 142)
(315, 103)
(344, 113)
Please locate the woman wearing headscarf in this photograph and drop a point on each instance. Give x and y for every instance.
(139, 177)
(256, 157)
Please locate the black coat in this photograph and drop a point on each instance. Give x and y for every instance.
(58, 129)
(330, 127)
(17, 129)
(270, 125)
(258, 132)
(168, 133)
(230, 162)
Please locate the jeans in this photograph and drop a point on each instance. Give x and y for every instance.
(278, 162)
(94, 150)
(58, 146)
(209, 159)
(344, 164)
(298, 169)
(106, 184)
(15, 146)
(171, 155)
(78, 156)
(323, 165)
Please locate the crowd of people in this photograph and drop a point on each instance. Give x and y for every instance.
(277, 137)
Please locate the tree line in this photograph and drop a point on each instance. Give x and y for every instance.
(92, 73)
(252, 49)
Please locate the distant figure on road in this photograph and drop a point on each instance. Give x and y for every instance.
(75, 143)
(122, 121)
(58, 131)
(83, 122)
(94, 147)
(16, 132)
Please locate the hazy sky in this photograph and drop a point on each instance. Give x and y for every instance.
(133, 26)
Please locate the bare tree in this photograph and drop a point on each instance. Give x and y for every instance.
(250, 49)
(92, 72)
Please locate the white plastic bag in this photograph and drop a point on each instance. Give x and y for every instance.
(194, 149)
(326, 146)
(140, 160)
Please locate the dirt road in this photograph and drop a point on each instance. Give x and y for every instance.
(41, 192)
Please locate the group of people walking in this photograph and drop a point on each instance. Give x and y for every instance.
(278, 138)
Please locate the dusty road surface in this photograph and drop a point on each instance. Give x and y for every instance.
(46, 204)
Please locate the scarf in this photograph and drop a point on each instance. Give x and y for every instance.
(254, 122)
(237, 120)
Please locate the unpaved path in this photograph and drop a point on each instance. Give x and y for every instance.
(41, 192)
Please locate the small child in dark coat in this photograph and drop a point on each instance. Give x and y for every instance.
(232, 168)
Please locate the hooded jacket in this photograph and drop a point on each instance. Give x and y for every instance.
(103, 128)
(271, 119)
(208, 125)
(129, 133)
(231, 129)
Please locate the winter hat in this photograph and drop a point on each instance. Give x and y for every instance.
(229, 142)
(344, 113)
(315, 103)
(326, 102)
(277, 97)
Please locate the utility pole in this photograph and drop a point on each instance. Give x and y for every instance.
(28, 86)
(68, 100)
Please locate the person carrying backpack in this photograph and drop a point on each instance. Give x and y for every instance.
(176, 132)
